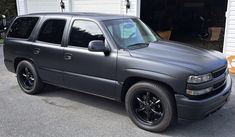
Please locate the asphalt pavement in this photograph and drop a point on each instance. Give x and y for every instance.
(58, 112)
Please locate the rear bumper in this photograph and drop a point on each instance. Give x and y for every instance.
(197, 109)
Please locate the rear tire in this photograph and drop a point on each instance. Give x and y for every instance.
(150, 106)
(27, 78)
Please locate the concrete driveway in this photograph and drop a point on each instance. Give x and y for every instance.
(59, 112)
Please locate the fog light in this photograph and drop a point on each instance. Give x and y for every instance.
(198, 92)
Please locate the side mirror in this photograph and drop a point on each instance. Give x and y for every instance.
(98, 46)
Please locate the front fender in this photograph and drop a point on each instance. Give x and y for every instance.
(177, 84)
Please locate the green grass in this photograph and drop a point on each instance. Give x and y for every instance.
(1, 41)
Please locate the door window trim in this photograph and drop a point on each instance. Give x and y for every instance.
(40, 28)
(30, 38)
(70, 31)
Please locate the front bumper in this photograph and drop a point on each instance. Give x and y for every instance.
(197, 109)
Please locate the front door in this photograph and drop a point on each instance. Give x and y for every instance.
(87, 71)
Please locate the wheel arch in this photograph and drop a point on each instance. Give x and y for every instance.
(17, 60)
(130, 81)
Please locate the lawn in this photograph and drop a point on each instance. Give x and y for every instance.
(1, 41)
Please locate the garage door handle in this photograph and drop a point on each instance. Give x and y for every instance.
(68, 56)
(36, 51)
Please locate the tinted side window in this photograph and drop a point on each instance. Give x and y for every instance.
(52, 31)
(83, 32)
(22, 27)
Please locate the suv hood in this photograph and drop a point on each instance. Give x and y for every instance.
(173, 53)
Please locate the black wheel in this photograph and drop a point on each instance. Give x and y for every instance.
(28, 78)
(150, 106)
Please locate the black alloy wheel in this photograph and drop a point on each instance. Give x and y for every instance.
(148, 107)
(28, 78)
(151, 106)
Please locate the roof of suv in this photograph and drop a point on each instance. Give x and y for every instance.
(96, 16)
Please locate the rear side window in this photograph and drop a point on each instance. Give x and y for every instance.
(84, 32)
(52, 31)
(22, 27)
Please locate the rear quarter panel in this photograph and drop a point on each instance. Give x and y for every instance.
(16, 48)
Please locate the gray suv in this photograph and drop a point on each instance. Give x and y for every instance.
(119, 58)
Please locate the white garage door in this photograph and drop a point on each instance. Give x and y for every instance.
(43, 6)
(101, 6)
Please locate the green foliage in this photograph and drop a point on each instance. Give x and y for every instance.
(8, 8)
(1, 41)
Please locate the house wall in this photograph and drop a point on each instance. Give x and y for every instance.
(229, 43)
(229, 39)
(101, 6)
(134, 9)
(43, 6)
(21, 7)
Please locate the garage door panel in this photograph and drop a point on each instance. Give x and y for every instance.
(101, 6)
(43, 6)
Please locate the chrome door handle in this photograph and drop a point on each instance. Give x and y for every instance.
(67, 56)
(36, 51)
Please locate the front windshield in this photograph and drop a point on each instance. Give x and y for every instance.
(130, 32)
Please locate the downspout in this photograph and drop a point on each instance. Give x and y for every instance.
(138, 8)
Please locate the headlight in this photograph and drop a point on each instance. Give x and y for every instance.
(200, 79)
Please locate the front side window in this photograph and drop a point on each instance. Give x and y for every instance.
(52, 31)
(83, 32)
(130, 32)
(22, 27)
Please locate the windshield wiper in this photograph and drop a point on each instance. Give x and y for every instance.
(138, 44)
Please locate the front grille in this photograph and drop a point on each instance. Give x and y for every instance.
(219, 84)
(220, 77)
(219, 72)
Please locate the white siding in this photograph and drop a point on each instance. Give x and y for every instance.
(32, 6)
(101, 6)
(229, 39)
(134, 9)
(21, 7)
(43, 6)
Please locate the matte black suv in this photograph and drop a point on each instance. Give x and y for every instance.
(120, 58)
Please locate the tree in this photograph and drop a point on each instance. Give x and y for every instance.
(8, 8)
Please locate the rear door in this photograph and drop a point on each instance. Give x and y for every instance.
(48, 50)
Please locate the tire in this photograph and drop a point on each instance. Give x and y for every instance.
(27, 78)
(150, 106)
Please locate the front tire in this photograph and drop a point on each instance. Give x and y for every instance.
(27, 78)
(150, 106)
